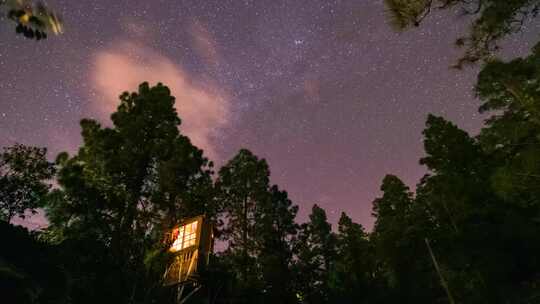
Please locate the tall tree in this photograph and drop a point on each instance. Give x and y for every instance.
(511, 138)
(391, 211)
(315, 250)
(353, 277)
(481, 258)
(243, 185)
(398, 238)
(274, 231)
(456, 194)
(24, 175)
(128, 181)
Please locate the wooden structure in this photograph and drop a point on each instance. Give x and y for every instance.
(191, 243)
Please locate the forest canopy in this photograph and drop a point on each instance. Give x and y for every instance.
(467, 233)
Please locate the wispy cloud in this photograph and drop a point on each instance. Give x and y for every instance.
(204, 43)
(203, 107)
(312, 90)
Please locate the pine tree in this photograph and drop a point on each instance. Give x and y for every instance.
(398, 239)
(274, 231)
(353, 276)
(315, 249)
(243, 185)
(494, 20)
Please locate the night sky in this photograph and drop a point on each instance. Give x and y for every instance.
(326, 91)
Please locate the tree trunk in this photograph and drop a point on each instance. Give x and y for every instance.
(443, 281)
(244, 239)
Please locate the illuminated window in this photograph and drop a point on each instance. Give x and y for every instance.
(184, 236)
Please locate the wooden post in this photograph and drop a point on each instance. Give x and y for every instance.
(179, 292)
(190, 294)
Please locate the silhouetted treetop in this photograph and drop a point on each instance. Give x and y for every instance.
(494, 19)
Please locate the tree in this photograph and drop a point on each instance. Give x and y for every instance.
(456, 196)
(259, 227)
(30, 270)
(482, 259)
(391, 211)
(274, 229)
(243, 185)
(511, 135)
(398, 239)
(353, 277)
(315, 250)
(129, 182)
(394, 205)
(24, 172)
(511, 139)
(496, 19)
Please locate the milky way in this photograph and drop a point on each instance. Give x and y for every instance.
(326, 91)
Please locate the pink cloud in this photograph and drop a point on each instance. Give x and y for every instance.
(203, 107)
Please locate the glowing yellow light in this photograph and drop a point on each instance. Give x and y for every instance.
(184, 236)
(24, 18)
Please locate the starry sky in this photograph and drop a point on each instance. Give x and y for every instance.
(326, 91)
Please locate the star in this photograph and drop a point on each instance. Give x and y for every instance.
(373, 87)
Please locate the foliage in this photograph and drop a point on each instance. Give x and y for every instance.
(354, 277)
(315, 249)
(129, 182)
(29, 269)
(495, 19)
(259, 226)
(24, 172)
(243, 184)
(274, 229)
